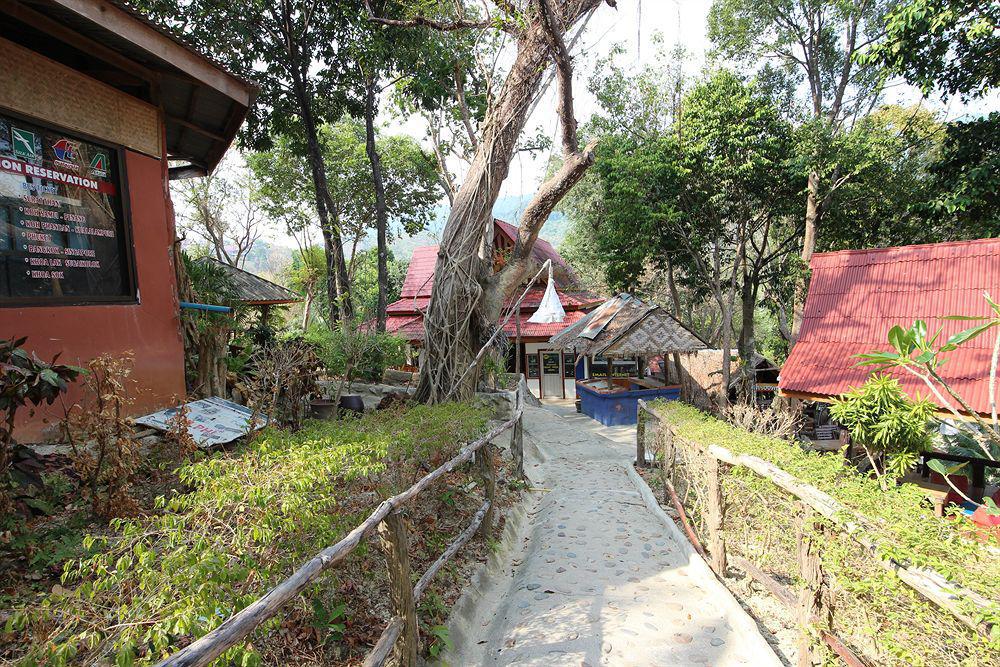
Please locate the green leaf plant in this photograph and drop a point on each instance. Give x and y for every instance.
(916, 352)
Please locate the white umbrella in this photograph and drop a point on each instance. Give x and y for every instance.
(550, 309)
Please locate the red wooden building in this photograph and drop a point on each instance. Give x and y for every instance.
(99, 109)
(856, 296)
(550, 372)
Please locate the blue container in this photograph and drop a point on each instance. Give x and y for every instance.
(621, 407)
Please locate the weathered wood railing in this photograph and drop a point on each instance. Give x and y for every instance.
(955, 599)
(400, 636)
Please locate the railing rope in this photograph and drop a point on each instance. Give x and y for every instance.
(237, 627)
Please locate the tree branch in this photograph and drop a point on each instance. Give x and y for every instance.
(564, 72)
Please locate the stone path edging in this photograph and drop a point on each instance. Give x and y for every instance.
(740, 615)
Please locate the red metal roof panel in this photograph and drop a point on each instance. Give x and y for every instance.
(856, 296)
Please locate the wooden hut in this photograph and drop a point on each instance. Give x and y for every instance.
(612, 343)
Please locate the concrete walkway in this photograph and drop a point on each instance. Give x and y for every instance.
(599, 579)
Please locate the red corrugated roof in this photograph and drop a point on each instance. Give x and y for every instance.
(542, 250)
(856, 296)
(420, 276)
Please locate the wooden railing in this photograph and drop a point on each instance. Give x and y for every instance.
(954, 598)
(400, 636)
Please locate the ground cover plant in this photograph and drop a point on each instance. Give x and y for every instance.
(874, 612)
(246, 519)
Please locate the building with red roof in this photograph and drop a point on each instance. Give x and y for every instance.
(856, 296)
(405, 317)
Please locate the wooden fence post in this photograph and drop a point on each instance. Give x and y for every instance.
(664, 431)
(716, 515)
(487, 471)
(811, 604)
(517, 433)
(640, 436)
(392, 534)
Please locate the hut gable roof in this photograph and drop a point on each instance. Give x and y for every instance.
(856, 296)
(625, 326)
(254, 290)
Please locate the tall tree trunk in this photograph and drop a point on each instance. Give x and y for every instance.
(337, 282)
(466, 299)
(381, 214)
(675, 298)
(813, 214)
(307, 308)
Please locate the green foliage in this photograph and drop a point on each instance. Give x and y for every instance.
(942, 45)
(965, 179)
(24, 379)
(886, 423)
(874, 607)
(365, 354)
(250, 518)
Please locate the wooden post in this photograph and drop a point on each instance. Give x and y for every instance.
(487, 471)
(716, 512)
(667, 466)
(392, 535)
(640, 436)
(811, 606)
(517, 433)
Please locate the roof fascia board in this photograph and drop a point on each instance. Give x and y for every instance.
(158, 44)
(69, 36)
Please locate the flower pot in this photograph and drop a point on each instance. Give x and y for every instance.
(323, 408)
(352, 403)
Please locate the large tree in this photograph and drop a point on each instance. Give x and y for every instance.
(467, 297)
(820, 41)
(711, 196)
(409, 187)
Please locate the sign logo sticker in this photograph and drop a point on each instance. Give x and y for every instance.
(99, 165)
(24, 143)
(66, 150)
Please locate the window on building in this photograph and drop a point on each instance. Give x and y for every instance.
(64, 238)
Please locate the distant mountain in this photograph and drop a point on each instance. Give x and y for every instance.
(506, 208)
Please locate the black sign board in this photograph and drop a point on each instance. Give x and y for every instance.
(551, 363)
(532, 365)
(63, 237)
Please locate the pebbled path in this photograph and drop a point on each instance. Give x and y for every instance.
(600, 579)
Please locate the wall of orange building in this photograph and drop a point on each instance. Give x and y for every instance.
(149, 329)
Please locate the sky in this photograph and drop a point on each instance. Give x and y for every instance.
(635, 25)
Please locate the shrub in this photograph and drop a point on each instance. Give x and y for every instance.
(105, 451)
(891, 428)
(356, 354)
(874, 611)
(24, 379)
(249, 520)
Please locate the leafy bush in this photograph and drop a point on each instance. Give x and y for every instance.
(360, 354)
(105, 449)
(24, 379)
(873, 609)
(248, 521)
(891, 428)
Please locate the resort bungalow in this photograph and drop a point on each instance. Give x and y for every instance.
(99, 109)
(856, 296)
(550, 371)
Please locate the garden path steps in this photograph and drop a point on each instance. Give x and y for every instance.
(599, 579)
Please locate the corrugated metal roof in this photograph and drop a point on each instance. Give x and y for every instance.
(856, 296)
(252, 289)
(420, 274)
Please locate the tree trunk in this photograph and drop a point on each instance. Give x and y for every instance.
(381, 214)
(307, 309)
(675, 298)
(465, 299)
(813, 214)
(337, 282)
